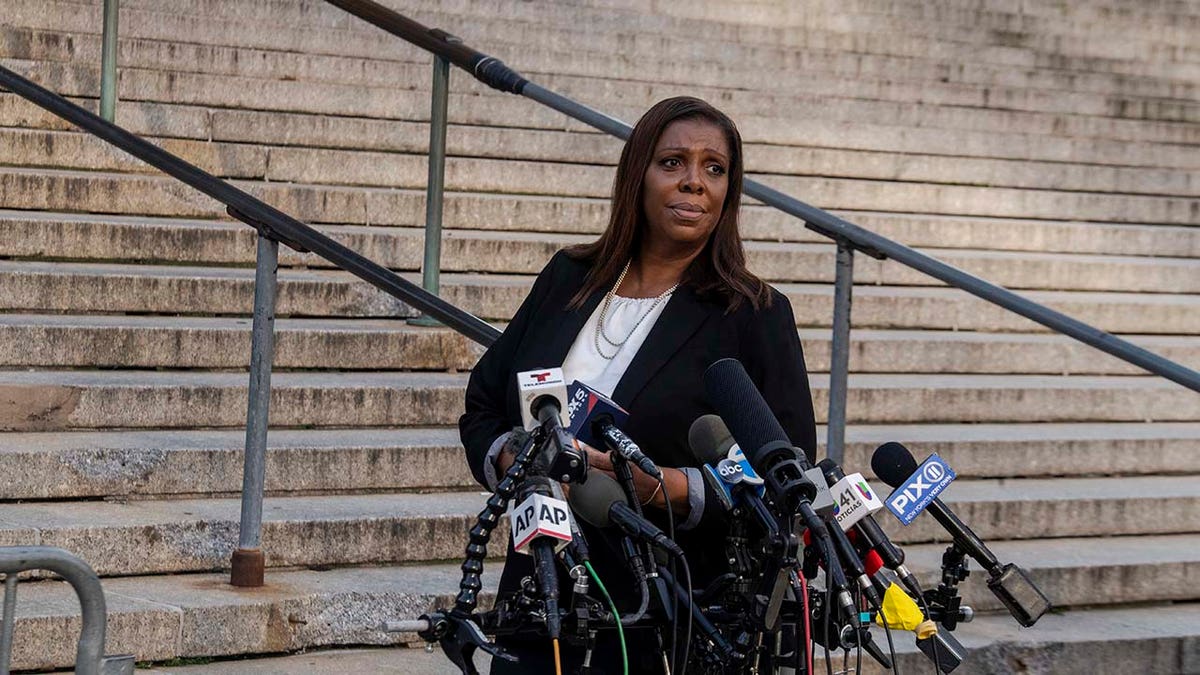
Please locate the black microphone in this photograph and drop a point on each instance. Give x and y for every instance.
(601, 502)
(894, 464)
(759, 435)
(852, 565)
(710, 440)
(868, 528)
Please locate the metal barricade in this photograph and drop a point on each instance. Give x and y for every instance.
(89, 655)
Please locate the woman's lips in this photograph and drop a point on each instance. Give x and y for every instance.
(684, 213)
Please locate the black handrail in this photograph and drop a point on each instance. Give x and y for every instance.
(492, 72)
(269, 221)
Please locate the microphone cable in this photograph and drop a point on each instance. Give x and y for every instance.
(616, 615)
(808, 654)
(828, 610)
(891, 646)
(859, 641)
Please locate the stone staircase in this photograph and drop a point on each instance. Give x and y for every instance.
(1048, 147)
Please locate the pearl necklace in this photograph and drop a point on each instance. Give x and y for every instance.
(600, 332)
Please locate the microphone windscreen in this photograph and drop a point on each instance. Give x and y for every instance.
(830, 469)
(592, 499)
(872, 563)
(709, 439)
(731, 391)
(893, 463)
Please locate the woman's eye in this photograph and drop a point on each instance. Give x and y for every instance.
(670, 162)
(716, 170)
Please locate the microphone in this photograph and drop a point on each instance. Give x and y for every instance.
(595, 419)
(541, 526)
(540, 516)
(916, 489)
(722, 463)
(868, 528)
(601, 502)
(762, 440)
(543, 394)
(734, 480)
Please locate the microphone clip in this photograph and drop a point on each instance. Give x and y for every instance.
(944, 603)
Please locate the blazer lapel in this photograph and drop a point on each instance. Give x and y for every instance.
(680, 319)
(569, 323)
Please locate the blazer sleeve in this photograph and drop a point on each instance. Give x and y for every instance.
(775, 361)
(486, 416)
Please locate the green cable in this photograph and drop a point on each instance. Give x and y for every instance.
(613, 605)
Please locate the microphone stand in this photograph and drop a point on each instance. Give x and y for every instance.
(456, 630)
(625, 479)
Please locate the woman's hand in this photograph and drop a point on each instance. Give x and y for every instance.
(645, 486)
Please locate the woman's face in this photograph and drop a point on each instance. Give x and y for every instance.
(684, 188)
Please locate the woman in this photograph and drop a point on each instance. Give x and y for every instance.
(639, 314)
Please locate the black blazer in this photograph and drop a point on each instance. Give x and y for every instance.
(662, 389)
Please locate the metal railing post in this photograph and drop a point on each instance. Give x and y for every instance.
(839, 361)
(108, 62)
(248, 560)
(435, 186)
(10, 616)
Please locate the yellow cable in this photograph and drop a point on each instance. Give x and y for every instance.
(557, 659)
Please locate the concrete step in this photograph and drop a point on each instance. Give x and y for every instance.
(155, 537)
(1075, 572)
(160, 463)
(72, 465)
(959, 20)
(48, 400)
(542, 50)
(1151, 639)
(807, 135)
(808, 132)
(758, 114)
(58, 235)
(155, 195)
(746, 66)
(761, 23)
(468, 170)
(1039, 508)
(201, 615)
(78, 399)
(119, 341)
(482, 251)
(167, 617)
(507, 33)
(1035, 450)
(190, 535)
(86, 287)
(80, 151)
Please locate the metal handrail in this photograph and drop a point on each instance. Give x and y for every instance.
(269, 221)
(848, 236)
(494, 73)
(274, 227)
(89, 654)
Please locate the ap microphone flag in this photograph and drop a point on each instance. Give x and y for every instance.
(540, 516)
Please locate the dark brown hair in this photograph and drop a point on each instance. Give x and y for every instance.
(720, 269)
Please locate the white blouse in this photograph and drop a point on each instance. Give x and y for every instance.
(587, 365)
